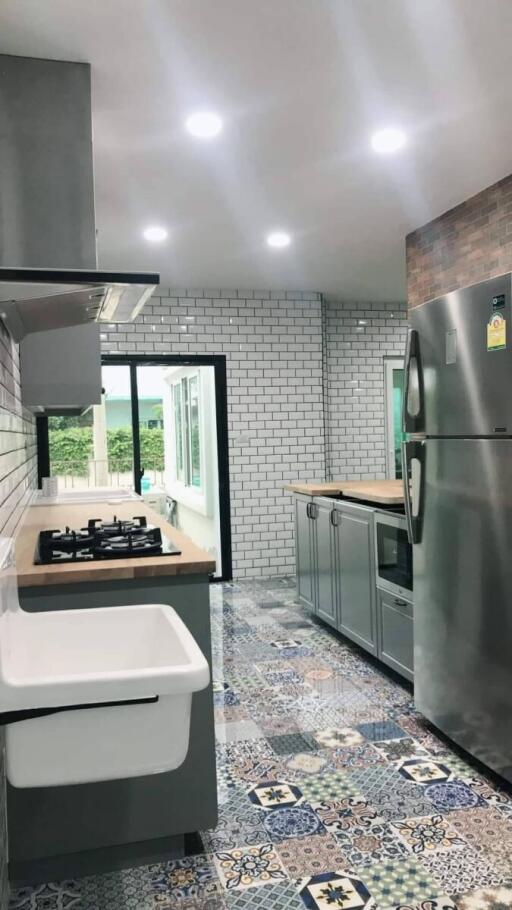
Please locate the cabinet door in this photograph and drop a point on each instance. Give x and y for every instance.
(304, 551)
(396, 633)
(325, 562)
(356, 575)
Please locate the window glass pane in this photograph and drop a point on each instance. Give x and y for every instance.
(95, 449)
(178, 429)
(185, 430)
(195, 457)
(398, 387)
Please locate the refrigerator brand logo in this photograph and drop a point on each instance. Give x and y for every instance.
(496, 332)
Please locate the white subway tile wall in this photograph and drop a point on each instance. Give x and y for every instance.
(305, 395)
(357, 338)
(18, 457)
(273, 347)
(18, 477)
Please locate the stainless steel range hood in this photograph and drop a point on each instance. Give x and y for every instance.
(48, 266)
(37, 300)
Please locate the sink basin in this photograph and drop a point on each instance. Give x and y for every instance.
(79, 662)
(100, 494)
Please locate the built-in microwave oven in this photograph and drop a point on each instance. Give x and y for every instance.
(393, 554)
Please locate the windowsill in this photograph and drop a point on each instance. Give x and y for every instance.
(188, 496)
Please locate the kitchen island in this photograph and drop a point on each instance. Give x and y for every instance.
(60, 832)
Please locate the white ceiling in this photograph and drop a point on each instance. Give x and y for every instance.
(301, 85)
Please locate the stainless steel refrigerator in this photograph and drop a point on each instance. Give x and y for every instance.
(458, 420)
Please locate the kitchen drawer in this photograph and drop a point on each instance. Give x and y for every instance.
(396, 633)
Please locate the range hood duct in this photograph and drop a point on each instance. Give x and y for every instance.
(48, 267)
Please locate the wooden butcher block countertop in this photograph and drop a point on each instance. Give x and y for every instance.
(383, 492)
(192, 560)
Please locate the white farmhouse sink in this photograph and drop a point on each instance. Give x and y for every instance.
(98, 494)
(78, 658)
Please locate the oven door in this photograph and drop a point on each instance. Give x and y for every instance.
(393, 555)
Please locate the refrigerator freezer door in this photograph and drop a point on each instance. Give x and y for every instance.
(465, 355)
(463, 597)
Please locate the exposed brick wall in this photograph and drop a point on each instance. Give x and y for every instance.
(468, 244)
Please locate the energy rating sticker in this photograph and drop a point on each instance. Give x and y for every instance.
(496, 332)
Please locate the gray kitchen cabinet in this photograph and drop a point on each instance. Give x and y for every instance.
(325, 559)
(355, 574)
(395, 633)
(305, 550)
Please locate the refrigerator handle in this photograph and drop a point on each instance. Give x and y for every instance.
(413, 450)
(412, 423)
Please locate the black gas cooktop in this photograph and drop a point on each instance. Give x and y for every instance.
(116, 539)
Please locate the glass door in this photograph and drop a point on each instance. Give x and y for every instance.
(394, 385)
(178, 446)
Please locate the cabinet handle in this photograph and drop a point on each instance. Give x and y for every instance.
(314, 512)
(400, 603)
(334, 521)
(308, 510)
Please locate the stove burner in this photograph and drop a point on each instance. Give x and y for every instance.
(67, 540)
(118, 526)
(119, 538)
(139, 543)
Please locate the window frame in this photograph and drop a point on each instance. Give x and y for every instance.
(218, 362)
(390, 365)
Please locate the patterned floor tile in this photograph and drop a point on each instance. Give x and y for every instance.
(59, 895)
(453, 794)
(260, 768)
(379, 730)
(281, 896)
(292, 742)
(192, 876)
(343, 814)
(310, 855)
(355, 756)
(248, 867)
(241, 730)
(440, 902)
(396, 882)
(130, 888)
(488, 831)
(486, 899)
(388, 792)
(337, 737)
(400, 749)
(308, 763)
(365, 845)
(278, 725)
(461, 870)
(335, 889)
(331, 785)
(272, 794)
(297, 821)
(423, 771)
(431, 834)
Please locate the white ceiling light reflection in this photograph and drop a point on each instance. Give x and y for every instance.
(278, 240)
(155, 233)
(204, 124)
(387, 141)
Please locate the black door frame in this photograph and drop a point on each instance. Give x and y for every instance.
(218, 362)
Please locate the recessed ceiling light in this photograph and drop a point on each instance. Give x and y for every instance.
(389, 140)
(155, 234)
(204, 124)
(279, 239)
